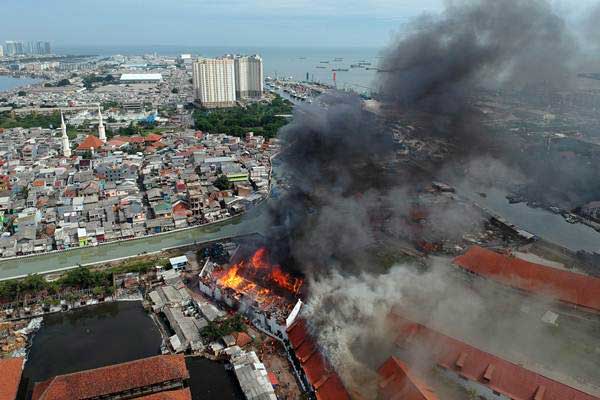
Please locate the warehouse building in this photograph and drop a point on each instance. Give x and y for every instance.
(164, 377)
(141, 78)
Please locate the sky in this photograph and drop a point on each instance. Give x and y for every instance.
(299, 23)
(280, 23)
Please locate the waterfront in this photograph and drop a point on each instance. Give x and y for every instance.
(543, 223)
(91, 337)
(10, 82)
(222, 384)
(254, 221)
(283, 62)
(112, 333)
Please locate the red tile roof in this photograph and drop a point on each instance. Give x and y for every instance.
(153, 137)
(509, 379)
(135, 139)
(10, 377)
(90, 142)
(399, 383)
(273, 378)
(181, 394)
(242, 339)
(566, 286)
(116, 142)
(326, 383)
(113, 379)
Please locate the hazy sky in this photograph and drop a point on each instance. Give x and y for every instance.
(208, 22)
(214, 22)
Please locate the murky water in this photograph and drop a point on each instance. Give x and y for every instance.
(113, 333)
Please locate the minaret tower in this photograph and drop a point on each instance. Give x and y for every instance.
(66, 147)
(101, 130)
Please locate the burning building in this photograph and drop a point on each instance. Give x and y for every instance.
(254, 286)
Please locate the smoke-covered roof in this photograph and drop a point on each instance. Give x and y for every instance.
(400, 383)
(570, 287)
(325, 381)
(501, 376)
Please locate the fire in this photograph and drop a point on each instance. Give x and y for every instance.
(231, 278)
(285, 280)
(243, 275)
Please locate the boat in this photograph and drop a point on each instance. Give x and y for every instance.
(356, 66)
(338, 59)
(324, 62)
(320, 66)
(340, 69)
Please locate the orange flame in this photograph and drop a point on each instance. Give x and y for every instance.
(259, 268)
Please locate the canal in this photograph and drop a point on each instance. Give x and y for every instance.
(254, 221)
(541, 222)
(112, 333)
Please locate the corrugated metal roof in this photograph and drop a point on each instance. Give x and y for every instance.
(141, 77)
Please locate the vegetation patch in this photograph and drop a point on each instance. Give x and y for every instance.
(261, 118)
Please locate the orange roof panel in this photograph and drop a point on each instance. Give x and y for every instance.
(326, 383)
(113, 379)
(566, 286)
(10, 372)
(398, 382)
(502, 376)
(182, 394)
(90, 142)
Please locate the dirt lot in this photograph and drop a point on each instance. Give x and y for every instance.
(273, 356)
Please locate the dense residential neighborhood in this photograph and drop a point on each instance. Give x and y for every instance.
(128, 187)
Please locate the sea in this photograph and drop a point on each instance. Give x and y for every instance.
(298, 63)
(10, 82)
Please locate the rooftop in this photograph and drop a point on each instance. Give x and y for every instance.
(90, 142)
(566, 286)
(113, 379)
(398, 382)
(181, 394)
(141, 77)
(325, 381)
(501, 376)
(10, 370)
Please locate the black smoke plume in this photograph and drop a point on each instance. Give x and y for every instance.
(347, 195)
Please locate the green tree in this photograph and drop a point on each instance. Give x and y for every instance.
(174, 90)
(22, 93)
(222, 183)
(263, 119)
(32, 283)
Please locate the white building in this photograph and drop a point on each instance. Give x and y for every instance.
(1, 51)
(249, 77)
(101, 128)
(214, 82)
(66, 146)
(141, 78)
